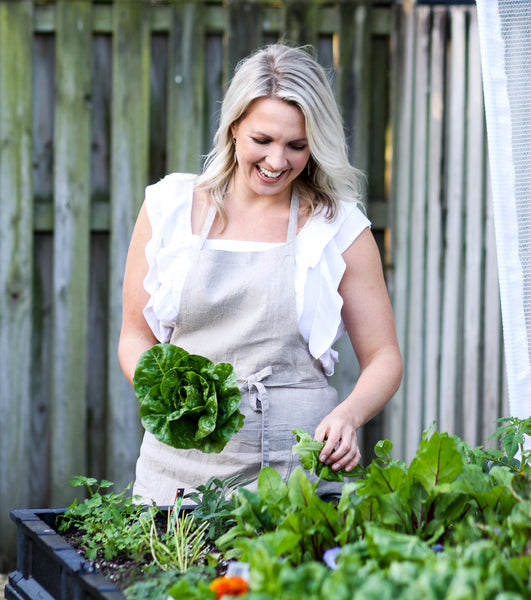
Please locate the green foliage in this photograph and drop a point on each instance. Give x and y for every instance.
(390, 522)
(158, 585)
(285, 520)
(154, 584)
(309, 449)
(182, 545)
(110, 522)
(454, 524)
(186, 401)
(214, 502)
(512, 436)
(191, 588)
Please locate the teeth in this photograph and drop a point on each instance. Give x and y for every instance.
(270, 174)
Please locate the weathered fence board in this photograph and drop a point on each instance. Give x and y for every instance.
(71, 231)
(402, 49)
(186, 88)
(245, 31)
(129, 175)
(97, 100)
(16, 256)
(434, 216)
(451, 350)
(475, 182)
(417, 256)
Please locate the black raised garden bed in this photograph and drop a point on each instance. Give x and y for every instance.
(48, 568)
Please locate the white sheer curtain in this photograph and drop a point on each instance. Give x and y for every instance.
(505, 43)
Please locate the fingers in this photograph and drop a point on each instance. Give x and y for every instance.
(341, 450)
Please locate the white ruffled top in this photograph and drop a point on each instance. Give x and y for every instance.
(319, 265)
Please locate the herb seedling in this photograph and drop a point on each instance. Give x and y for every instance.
(109, 522)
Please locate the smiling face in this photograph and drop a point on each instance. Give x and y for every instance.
(271, 149)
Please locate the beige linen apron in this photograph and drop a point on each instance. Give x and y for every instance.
(239, 307)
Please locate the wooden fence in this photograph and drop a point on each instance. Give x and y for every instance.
(99, 99)
(444, 276)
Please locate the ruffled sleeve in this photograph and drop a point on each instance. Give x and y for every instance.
(168, 253)
(319, 270)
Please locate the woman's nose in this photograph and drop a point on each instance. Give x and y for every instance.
(277, 158)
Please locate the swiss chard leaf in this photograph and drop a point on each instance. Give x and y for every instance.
(309, 449)
(438, 461)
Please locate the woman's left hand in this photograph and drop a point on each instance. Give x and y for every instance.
(341, 449)
(368, 319)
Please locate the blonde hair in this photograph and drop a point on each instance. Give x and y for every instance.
(292, 75)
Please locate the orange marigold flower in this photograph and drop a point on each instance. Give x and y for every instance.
(233, 586)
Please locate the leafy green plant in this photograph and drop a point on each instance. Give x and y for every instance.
(453, 524)
(186, 401)
(390, 566)
(289, 520)
(107, 521)
(214, 502)
(154, 583)
(512, 435)
(191, 588)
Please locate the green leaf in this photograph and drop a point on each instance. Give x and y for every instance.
(383, 449)
(80, 480)
(152, 365)
(183, 590)
(271, 487)
(391, 545)
(384, 479)
(309, 449)
(437, 462)
(394, 510)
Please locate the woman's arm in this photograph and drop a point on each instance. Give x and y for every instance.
(368, 318)
(136, 335)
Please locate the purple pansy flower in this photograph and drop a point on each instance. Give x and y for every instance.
(330, 557)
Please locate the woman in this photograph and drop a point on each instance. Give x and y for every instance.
(263, 261)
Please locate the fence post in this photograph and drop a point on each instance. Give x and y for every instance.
(16, 264)
(185, 85)
(71, 257)
(129, 168)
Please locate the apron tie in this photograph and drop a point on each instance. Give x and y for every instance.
(259, 402)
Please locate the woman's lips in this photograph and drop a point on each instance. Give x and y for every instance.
(266, 175)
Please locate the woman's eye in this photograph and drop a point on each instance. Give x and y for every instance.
(264, 141)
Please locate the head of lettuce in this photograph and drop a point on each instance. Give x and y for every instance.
(186, 400)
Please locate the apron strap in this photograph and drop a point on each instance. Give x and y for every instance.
(259, 402)
(293, 217)
(207, 226)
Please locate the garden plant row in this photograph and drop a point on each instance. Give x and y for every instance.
(455, 523)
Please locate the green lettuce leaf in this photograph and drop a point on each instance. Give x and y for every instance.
(187, 401)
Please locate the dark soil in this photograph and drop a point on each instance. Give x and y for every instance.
(124, 570)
